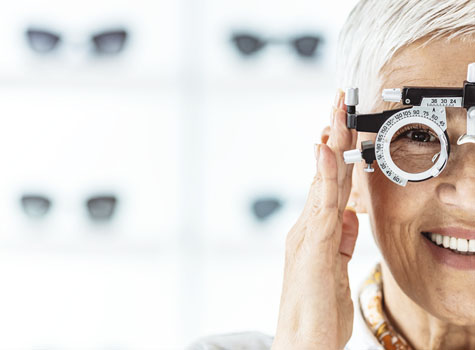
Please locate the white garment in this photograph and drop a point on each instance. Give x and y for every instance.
(361, 339)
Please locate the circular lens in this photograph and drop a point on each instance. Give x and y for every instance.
(415, 148)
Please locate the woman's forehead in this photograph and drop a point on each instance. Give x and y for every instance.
(439, 62)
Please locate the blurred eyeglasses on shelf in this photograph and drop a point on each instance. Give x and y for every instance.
(108, 42)
(306, 46)
(99, 208)
(265, 207)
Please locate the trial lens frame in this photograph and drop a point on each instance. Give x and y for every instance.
(429, 102)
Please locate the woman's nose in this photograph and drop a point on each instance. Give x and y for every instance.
(458, 189)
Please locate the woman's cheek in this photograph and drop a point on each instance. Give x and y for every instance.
(397, 213)
(404, 204)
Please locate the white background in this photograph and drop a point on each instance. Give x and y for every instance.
(187, 133)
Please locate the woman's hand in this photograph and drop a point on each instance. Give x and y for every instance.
(316, 310)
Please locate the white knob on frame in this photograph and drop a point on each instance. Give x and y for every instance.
(352, 97)
(471, 73)
(392, 95)
(352, 156)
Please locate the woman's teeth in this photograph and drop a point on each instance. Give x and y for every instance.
(458, 245)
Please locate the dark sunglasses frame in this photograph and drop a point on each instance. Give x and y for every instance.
(51, 40)
(305, 45)
(95, 205)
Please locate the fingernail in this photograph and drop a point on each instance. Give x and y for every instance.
(341, 102)
(336, 102)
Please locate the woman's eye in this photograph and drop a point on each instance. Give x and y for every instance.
(420, 136)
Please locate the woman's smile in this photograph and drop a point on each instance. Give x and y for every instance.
(452, 246)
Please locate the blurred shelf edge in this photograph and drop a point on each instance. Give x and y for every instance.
(112, 247)
(239, 82)
(96, 82)
(199, 247)
(272, 84)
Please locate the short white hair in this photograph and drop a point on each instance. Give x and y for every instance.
(376, 29)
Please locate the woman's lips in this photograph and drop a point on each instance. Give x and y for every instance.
(448, 257)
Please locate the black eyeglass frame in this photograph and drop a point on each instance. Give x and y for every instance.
(261, 42)
(94, 38)
(89, 203)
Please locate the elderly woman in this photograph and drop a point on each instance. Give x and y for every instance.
(421, 296)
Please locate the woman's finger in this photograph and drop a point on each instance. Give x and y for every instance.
(321, 210)
(340, 140)
(338, 120)
(327, 167)
(341, 137)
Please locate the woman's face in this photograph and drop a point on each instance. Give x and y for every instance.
(439, 280)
